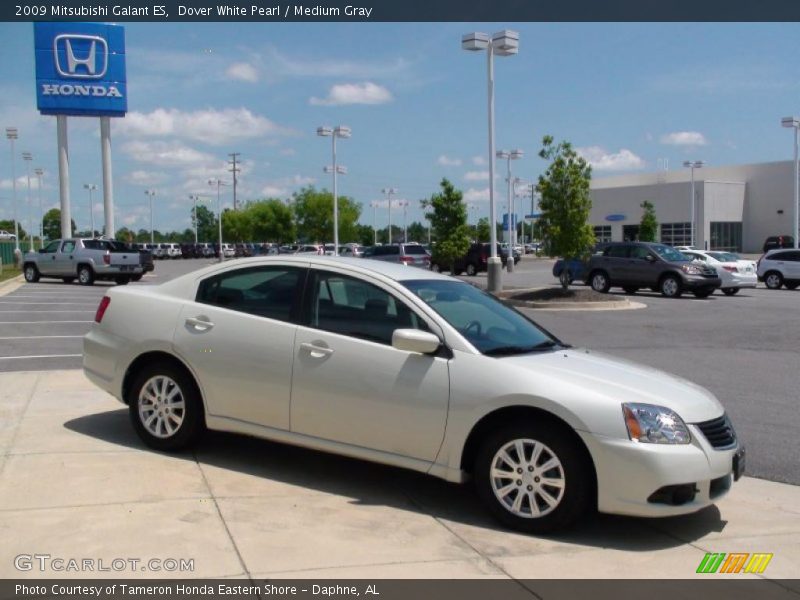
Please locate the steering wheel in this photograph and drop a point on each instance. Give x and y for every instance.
(476, 325)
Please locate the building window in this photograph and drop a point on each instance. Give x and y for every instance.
(676, 234)
(602, 234)
(726, 236)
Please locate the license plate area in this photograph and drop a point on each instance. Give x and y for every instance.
(739, 461)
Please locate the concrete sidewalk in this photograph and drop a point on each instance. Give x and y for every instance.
(75, 482)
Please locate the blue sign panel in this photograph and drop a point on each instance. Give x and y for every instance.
(514, 220)
(615, 217)
(80, 69)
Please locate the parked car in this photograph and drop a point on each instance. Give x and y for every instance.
(734, 272)
(5, 235)
(662, 268)
(156, 250)
(568, 270)
(354, 250)
(778, 241)
(242, 250)
(475, 261)
(685, 248)
(310, 249)
(412, 255)
(188, 250)
(228, 250)
(171, 250)
(780, 267)
(84, 259)
(552, 434)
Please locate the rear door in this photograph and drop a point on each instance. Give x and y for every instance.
(238, 335)
(792, 265)
(614, 261)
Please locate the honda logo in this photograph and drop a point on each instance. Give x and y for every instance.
(86, 56)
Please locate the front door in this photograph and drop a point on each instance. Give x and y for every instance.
(47, 262)
(65, 261)
(239, 337)
(350, 385)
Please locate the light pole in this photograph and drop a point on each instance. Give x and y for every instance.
(92, 187)
(693, 164)
(374, 206)
(150, 194)
(12, 134)
(510, 155)
(219, 183)
(194, 198)
(389, 192)
(404, 204)
(39, 172)
(528, 191)
(794, 123)
(27, 157)
(502, 43)
(340, 131)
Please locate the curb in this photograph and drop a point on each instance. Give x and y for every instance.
(623, 304)
(8, 285)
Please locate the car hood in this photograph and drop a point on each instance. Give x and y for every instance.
(621, 380)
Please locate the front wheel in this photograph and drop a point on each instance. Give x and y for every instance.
(31, 273)
(600, 282)
(671, 287)
(533, 477)
(730, 291)
(165, 407)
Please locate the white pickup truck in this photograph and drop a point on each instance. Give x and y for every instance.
(84, 259)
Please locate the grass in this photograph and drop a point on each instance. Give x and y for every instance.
(9, 272)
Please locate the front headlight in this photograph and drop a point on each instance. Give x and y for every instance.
(653, 424)
(692, 269)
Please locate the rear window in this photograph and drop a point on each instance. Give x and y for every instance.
(617, 251)
(414, 250)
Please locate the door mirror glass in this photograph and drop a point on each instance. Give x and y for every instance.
(650, 258)
(414, 340)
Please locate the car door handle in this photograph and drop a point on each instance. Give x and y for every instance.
(199, 323)
(316, 351)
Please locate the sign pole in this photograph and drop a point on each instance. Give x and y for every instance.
(63, 176)
(108, 184)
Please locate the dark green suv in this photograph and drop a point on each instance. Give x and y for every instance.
(662, 268)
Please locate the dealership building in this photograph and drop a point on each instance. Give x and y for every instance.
(736, 207)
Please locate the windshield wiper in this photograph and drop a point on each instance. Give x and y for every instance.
(511, 350)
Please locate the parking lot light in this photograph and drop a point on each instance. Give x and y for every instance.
(39, 172)
(91, 187)
(510, 155)
(150, 194)
(389, 192)
(28, 157)
(340, 131)
(12, 134)
(219, 183)
(693, 164)
(794, 123)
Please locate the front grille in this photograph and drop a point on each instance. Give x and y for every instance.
(719, 432)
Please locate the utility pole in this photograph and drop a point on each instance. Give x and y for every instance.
(234, 169)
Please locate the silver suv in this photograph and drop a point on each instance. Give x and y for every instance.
(413, 255)
(780, 267)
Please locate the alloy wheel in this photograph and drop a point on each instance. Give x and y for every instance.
(161, 406)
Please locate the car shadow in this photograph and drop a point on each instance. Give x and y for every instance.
(369, 483)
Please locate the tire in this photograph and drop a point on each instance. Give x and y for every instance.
(67, 279)
(435, 268)
(702, 293)
(85, 275)
(137, 277)
(599, 282)
(773, 280)
(456, 272)
(730, 291)
(793, 285)
(565, 278)
(472, 270)
(671, 287)
(31, 273)
(122, 280)
(630, 290)
(567, 502)
(152, 420)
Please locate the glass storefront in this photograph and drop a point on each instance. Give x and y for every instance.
(726, 235)
(676, 234)
(602, 233)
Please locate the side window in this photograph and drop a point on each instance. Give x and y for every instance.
(617, 251)
(52, 247)
(263, 291)
(353, 307)
(68, 246)
(779, 256)
(793, 256)
(639, 252)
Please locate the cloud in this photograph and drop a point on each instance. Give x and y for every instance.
(166, 154)
(242, 72)
(354, 93)
(22, 185)
(473, 195)
(210, 126)
(478, 161)
(280, 64)
(476, 176)
(145, 178)
(275, 191)
(684, 138)
(282, 188)
(602, 160)
(447, 161)
(288, 152)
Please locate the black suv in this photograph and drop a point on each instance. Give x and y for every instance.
(778, 241)
(474, 261)
(662, 268)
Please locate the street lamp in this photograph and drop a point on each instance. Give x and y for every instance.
(389, 192)
(794, 123)
(12, 134)
(502, 43)
(404, 204)
(150, 194)
(219, 183)
(194, 198)
(92, 187)
(525, 192)
(374, 206)
(28, 157)
(340, 131)
(693, 164)
(510, 155)
(39, 172)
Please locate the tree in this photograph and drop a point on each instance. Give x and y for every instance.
(271, 221)
(366, 234)
(565, 201)
(237, 226)
(448, 218)
(207, 227)
(313, 212)
(483, 232)
(8, 225)
(125, 235)
(648, 228)
(51, 224)
(417, 232)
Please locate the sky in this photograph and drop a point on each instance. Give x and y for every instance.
(631, 97)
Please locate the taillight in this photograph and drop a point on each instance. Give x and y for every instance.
(406, 259)
(101, 310)
(730, 269)
(107, 259)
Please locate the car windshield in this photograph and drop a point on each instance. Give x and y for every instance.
(724, 256)
(669, 253)
(492, 327)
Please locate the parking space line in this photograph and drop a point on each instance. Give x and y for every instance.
(39, 337)
(26, 303)
(38, 322)
(40, 356)
(46, 312)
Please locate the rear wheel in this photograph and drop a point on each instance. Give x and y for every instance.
(472, 270)
(565, 278)
(435, 268)
(671, 287)
(773, 280)
(533, 477)
(31, 273)
(85, 275)
(630, 290)
(599, 281)
(730, 291)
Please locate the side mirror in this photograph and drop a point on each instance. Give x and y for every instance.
(414, 340)
(650, 258)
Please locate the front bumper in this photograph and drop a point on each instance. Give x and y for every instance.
(632, 476)
(698, 282)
